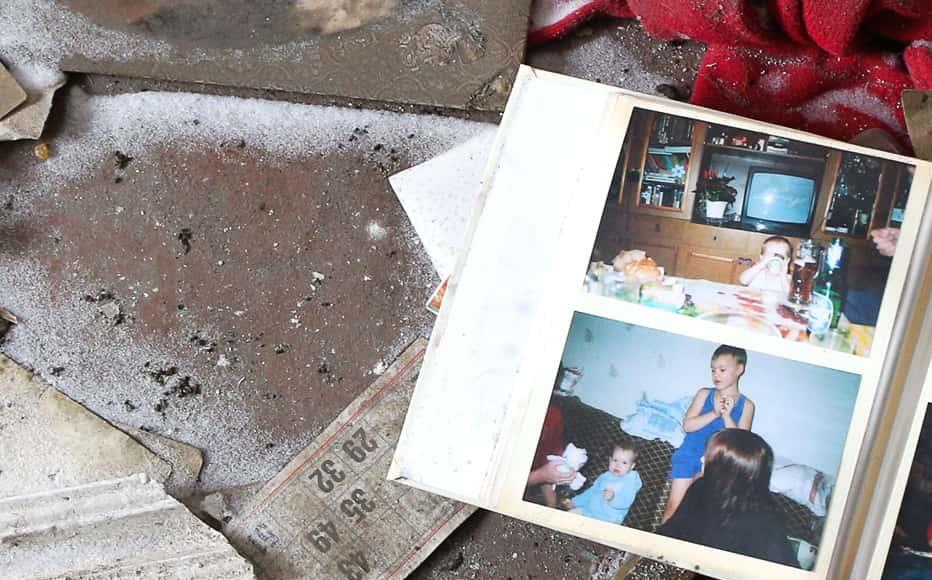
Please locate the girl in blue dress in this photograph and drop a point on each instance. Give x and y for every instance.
(712, 409)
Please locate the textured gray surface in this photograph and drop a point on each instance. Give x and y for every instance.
(48, 441)
(120, 528)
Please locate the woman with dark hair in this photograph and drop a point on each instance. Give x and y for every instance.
(730, 506)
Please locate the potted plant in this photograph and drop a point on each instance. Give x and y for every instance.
(713, 194)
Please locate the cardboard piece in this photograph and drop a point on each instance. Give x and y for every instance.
(28, 120)
(917, 107)
(331, 513)
(185, 460)
(119, 528)
(11, 94)
(50, 441)
(446, 54)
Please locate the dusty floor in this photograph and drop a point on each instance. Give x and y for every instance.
(263, 270)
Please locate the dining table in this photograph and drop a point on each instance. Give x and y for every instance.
(762, 311)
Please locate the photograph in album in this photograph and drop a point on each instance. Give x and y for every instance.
(710, 443)
(910, 555)
(749, 230)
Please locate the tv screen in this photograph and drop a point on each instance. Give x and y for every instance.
(779, 197)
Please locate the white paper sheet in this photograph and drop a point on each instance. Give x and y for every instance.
(438, 196)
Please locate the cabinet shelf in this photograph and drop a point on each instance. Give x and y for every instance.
(669, 149)
(662, 179)
(759, 152)
(659, 164)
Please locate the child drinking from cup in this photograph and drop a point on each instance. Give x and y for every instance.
(771, 272)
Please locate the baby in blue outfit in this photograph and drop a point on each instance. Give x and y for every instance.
(613, 492)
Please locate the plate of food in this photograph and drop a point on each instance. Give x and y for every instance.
(742, 320)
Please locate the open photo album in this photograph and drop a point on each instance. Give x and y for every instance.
(684, 334)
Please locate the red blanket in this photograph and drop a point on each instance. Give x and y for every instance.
(811, 64)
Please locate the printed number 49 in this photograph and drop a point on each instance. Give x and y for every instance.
(359, 449)
(354, 567)
(324, 536)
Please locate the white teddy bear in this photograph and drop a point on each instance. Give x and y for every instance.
(573, 459)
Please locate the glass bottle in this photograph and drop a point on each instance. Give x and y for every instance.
(832, 279)
(805, 267)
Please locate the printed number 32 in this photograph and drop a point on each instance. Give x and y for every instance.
(326, 484)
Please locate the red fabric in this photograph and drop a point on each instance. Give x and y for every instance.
(838, 27)
(918, 58)
(802, 63)
(555, 18)
(551, 437)
(806, 88)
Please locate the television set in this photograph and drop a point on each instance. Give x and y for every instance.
(779, 202)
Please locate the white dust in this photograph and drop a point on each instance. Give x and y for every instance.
(104, 364)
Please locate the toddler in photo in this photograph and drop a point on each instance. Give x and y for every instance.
(771, 272)
(713, 409)
(613, 492)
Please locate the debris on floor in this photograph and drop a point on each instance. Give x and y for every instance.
(28, 119)
(118, 242)
(461, 55)
(331, 512)
(50, 441)
(185, 460)
(8, 316)
(606, 566)
(7, 320)
(220, 507)
(115, 528)
(11, 94)
(436, 299)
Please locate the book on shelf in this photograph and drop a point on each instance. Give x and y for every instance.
(741, 431)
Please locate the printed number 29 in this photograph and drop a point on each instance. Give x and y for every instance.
(359, 447)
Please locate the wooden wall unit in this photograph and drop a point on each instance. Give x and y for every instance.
(693, 250)
(635, 159)
(716, 264)
(658, 236)
(719, 254)
(832, 163)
